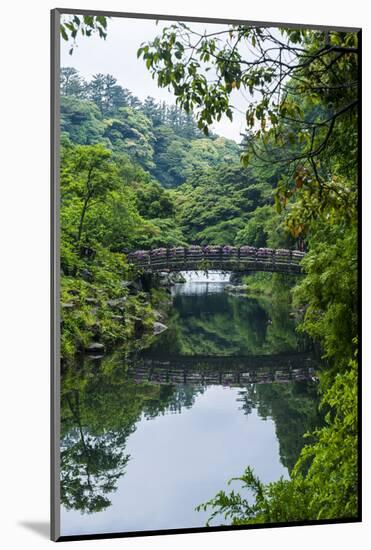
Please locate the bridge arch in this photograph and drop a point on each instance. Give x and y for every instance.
(241, 259)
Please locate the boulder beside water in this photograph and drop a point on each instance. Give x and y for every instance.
(158, 328)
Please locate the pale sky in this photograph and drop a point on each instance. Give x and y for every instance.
(117, 56)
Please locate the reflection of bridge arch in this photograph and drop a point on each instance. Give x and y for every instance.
(226, 371)
(225, 258)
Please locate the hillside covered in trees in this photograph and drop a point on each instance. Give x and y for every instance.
(138, 175)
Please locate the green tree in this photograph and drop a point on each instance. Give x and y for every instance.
(81, 121)
(71, 83)
(132, 132)
(89, 174)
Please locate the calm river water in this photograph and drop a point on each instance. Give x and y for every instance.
(226, 386)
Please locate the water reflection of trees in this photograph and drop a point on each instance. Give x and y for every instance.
(224, 324)
(91, 464)
(293, 408)
(173, 398)
(100, 406)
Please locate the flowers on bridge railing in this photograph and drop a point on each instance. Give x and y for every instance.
(282, 253)
(176, 252)
(158, 254)
(195, 252)
(212, 250)
(247, 251)
(265, 253)
(230, 252)
(297, 255)
(139, 256)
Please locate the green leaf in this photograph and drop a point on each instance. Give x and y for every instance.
(63, 33)
(102, 20)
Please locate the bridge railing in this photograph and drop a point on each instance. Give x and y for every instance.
(243, 258)
(227, 373)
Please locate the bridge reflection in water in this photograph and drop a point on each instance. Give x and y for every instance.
(224, 258)
(224, 370)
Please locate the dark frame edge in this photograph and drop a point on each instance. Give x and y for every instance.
(55, 279)
(195, 19)
(359, 266)
(220, 528)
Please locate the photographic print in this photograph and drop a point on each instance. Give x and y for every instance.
(205, 274)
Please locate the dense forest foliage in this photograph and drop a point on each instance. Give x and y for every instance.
(137, 175)
(142, 174)
(162, 139)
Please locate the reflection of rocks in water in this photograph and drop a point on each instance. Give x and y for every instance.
(235, 289)
(95, 350)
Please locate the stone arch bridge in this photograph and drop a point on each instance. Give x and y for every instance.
(225, 258)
